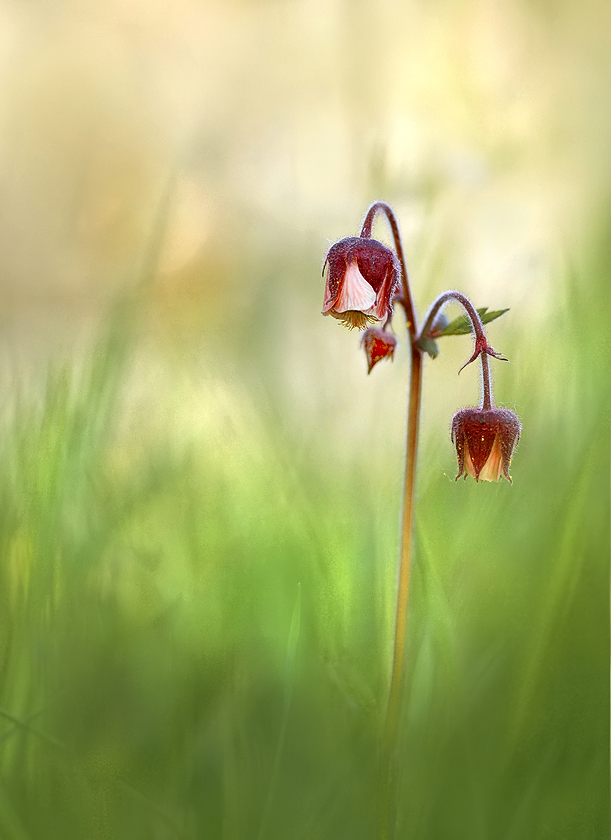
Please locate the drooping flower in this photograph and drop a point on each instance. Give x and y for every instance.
(485, 440)
(362, 279)
(378, 344)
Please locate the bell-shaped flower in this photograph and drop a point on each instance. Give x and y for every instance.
(485, 440)
(362, 279)
(378, 344)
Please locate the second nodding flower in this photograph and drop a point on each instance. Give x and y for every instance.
(485, 440)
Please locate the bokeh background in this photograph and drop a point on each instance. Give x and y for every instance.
(199, 485)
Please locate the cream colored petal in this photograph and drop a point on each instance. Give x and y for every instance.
(491, 471)
(469, 463)
(355, 292)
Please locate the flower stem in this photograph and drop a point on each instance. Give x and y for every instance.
(487, 401)
(413, 418)
(482, 348)
(473, 314)
(389, 737)
(406, 300)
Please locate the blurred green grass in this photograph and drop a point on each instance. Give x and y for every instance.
(173, 496)
(154, 680)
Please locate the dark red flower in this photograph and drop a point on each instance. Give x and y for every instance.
(378, 345)
(485, 440)
(361, 282)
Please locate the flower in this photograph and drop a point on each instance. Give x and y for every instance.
(485, 440)
(361, 282)
(378, 345)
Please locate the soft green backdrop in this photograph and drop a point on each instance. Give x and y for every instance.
(199, 485)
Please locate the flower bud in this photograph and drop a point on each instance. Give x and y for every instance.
(362, 279)
(378, 345)
(485, 440)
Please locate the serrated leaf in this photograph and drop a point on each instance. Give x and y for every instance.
(462, 324)
(429, 346)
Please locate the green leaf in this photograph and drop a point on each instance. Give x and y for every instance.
(462, 324)
(429, 346)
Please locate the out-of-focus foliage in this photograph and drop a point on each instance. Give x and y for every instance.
(199, 510)
(153, 556)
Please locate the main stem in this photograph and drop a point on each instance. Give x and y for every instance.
(413, 417)
(407, 525)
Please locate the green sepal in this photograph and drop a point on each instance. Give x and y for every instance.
(462, 324)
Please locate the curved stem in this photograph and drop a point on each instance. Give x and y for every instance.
(482, 348)
(413, 417)
(476, 321)
(408, 303)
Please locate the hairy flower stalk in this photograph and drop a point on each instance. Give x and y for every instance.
(363, 282)
(486, 437)
(482, 348)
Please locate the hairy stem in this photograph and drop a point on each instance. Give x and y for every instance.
(406, 300)
(481, 343)
(486, 383)
(413, 418)
(398, 660)
(473, 314)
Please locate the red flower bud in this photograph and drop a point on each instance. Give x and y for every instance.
(378, 345)
(485, 440)
(361, 282)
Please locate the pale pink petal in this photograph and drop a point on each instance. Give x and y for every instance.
(355, 292)
(383, 297)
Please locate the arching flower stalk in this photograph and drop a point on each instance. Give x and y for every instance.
(365, 279)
